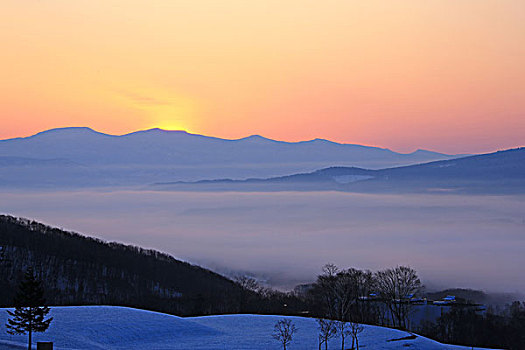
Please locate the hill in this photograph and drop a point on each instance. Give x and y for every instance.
(78, 270)
(115, 328)
(82, 157)
(501, 172)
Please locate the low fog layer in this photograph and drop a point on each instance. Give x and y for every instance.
(285, 237)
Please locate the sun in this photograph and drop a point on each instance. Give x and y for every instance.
(172, 125)
(178, 114)
(172, 117)
(162, 108)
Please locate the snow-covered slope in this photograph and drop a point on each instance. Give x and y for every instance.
(112, 328)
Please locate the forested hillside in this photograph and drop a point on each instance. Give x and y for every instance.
(78, 270)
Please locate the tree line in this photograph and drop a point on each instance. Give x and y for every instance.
(343, 300)
(463, 326)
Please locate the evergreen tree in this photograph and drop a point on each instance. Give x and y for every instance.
(30, 308)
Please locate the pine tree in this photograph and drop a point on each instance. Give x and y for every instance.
(30, 308)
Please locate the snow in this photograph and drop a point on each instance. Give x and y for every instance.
(116, 328)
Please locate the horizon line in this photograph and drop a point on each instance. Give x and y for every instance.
(181, 131)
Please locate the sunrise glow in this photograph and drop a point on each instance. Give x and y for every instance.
(442, 75)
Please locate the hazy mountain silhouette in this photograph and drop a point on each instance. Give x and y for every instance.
(74, 157)
(499, 172)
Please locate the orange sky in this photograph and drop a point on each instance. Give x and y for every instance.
(446, 75)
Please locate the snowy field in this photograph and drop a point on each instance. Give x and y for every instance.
(112, 328)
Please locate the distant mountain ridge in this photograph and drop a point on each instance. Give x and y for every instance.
(90, 158)
(499, 172)
(50, 138)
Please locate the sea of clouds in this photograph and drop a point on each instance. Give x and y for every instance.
(284, 238)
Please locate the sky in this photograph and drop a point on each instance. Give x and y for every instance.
(445, 75)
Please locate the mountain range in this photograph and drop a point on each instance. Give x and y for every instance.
(81, 157)
(501, 172)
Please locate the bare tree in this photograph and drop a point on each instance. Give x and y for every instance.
(324, 288)
(283, 331)
(330, 270)
(247, 283)
(381, 310)
(396, 286)
(249, 287)
(343, 297)
(355, 329)
(343, 331)
(347, 290)
(364, 312)
(327, 331)
(340, 292)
